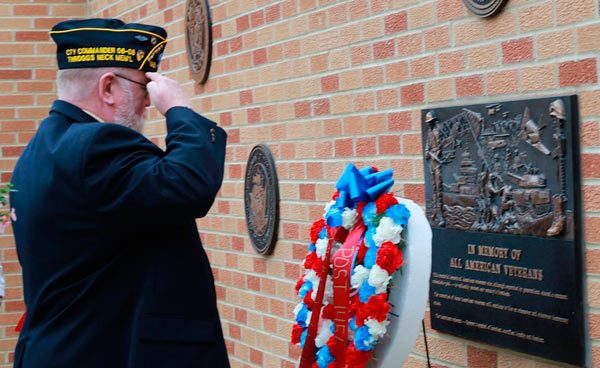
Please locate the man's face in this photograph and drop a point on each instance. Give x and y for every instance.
(132, 99)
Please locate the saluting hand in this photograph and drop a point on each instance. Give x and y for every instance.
(165, 92)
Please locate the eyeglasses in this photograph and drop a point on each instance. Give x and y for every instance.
(131, 80)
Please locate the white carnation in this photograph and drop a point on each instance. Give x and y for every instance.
(360, 275)
(322, 248)
(349, 218)
(379, 279)
(387, 231)
(376, 328)
(298, 309)
(324, 332)
(327, 207)
(308, 317)
(311, 276)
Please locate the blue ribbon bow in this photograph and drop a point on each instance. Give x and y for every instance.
(355, 186)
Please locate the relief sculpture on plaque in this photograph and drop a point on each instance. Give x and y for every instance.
(498, 170)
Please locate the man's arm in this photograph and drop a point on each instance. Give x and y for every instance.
(127, 175)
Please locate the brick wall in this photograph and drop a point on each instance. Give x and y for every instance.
(324, 82)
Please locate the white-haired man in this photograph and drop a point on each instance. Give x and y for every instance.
(114, 273)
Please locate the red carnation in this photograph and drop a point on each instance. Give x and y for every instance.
(375, 169)
(296, 333)
(308, 301)
(331, 344)
(335, 195)
(328, 311)
(299, 284)
(385, 201)
(357, 358)
(310, 260)
(315, 229)
(317, 265)
(315, 365)
(377, 307)
(389, 257)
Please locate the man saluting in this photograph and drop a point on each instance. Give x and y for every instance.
(114, 273)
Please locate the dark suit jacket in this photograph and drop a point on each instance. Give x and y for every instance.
(114, 273)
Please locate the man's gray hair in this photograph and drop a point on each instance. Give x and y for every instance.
(79, 83)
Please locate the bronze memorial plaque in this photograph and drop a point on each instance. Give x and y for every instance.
(484, 8)
(503, 198)
(261, 199)
(198, 38)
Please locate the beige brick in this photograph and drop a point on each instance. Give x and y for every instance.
(421, 16)
(452, 351)
(536, 17)
(340, 58)
(482, 57)
(372, 28)
(441, 89)
(506, 360)
(568, 11)
(422, 67)
(502, 82)
(350, 80)
(437, 38)
(588, 103)
(410, 44)
(468, 31)
(554, 44)
(588, 38)
(538, 78)
(503, 24)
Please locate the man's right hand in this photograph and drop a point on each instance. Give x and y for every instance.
(165, 92)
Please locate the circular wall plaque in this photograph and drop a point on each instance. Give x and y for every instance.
(198, 38)
(484, 8)
(261, 199)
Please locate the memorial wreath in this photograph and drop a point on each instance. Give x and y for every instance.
(339, 321)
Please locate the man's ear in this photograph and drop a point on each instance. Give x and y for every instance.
(106, 88)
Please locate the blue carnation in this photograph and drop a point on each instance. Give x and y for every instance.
(305, 288)
(324, 357)
(352, 323)
(371, 257)
(312, 247)
(303, 338)
(332, 328)
(365, 292)
(361, 337)
(334, 217)
(323, 233)
(369, 213)
(399, 213)
(302, 315)
(369, 242)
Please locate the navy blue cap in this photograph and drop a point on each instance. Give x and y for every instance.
(94, 43)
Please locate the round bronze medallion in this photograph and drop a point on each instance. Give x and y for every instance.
(261, 199)
(198, 38)
(484, 8)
